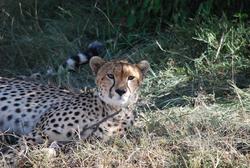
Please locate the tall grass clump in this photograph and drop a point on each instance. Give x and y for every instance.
(225, 56)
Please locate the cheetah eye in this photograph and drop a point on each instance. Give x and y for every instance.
(110, 76)
(131, 77)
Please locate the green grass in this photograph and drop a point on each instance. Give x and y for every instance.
(194, 108)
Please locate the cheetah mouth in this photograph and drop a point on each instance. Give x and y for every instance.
(116, 100)
(118, 97)
(122, 99)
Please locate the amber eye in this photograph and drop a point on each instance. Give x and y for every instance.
(110, 76)
(131, 77)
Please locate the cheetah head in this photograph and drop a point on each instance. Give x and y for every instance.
(118, 81)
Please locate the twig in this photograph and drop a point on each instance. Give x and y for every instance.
(220, 45)
(104, 15)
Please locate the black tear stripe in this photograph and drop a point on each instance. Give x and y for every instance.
(111, 89)
(126, 81)
(128, 88)
(122, 70)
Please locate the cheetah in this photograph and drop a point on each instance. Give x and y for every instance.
(22, 103)
(42, 113)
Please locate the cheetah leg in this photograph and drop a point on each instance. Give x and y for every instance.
(38, 137)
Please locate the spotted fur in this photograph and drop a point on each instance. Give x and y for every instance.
(43, 113)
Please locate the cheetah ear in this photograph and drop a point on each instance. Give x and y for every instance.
(96, 63)
(144, 67)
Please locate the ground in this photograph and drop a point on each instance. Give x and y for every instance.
(194, 108)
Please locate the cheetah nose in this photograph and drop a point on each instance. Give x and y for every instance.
(120, 91)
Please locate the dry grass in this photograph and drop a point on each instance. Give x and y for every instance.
(206, 134)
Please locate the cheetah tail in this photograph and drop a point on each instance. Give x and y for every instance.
(94, 49)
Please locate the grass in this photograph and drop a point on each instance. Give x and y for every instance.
(194, 106)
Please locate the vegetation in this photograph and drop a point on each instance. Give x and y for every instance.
(194, 109)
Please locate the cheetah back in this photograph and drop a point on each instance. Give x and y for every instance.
(22, 103)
